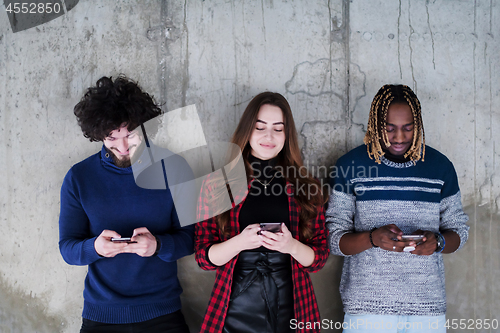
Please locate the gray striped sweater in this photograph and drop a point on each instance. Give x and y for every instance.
(366, 195)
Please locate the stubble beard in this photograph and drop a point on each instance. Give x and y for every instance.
(121, 163)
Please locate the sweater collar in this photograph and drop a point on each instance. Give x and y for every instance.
(107, 162)
(396, 161)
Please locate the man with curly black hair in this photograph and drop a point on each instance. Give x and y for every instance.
(132, 283)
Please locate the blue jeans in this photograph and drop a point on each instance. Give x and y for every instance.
(367, 323)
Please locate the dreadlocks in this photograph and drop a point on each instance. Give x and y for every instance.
(377, 122)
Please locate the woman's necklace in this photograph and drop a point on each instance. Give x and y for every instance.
(265, 184)
(269, 182)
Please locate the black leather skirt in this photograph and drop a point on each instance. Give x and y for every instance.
(261, 295)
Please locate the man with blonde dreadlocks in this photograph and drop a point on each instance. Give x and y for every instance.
(390, 282)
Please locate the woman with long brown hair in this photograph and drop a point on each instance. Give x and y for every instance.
(262, 282)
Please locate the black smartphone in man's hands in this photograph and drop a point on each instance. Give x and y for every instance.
(122, 240)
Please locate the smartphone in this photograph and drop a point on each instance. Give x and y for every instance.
(416, 238)
(122, 240)
(271, 227)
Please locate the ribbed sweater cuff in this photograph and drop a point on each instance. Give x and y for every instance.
(89, 250)
(167, 247)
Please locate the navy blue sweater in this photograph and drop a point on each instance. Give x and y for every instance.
(96, 195)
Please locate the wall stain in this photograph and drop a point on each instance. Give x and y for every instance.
(321, 139)
(399, 49)
(324, 144)
(355, 73)
(185, 79)
(263, 22)
(430, 29)
(21, 313)
(337, 26)
(412, 31)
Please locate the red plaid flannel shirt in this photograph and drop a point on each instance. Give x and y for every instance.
(305, 306)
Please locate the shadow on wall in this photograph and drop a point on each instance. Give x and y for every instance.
(472, 285)
(197, 286)
(22, 314)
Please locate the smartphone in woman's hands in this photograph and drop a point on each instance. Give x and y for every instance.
(273, 227)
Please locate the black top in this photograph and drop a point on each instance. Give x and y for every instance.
(396, 158)
(265, 203)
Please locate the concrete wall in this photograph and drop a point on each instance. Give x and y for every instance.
(328, 58)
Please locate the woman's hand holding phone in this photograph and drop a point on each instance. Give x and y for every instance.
(249, 238)
(280, 241)
(285, 243)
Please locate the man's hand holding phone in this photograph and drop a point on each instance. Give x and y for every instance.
(391, 238)
(143, 243)
(414, 241)
(110, 243)
(122, 240)
(105, 247)
(427, 245)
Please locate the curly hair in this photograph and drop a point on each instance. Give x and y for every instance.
(377, 122)
(110, 104)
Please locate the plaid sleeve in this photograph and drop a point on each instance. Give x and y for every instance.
(318, 243)
(305, 304)
(206, 232)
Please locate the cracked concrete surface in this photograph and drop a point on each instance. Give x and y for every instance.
(328, 58)
(313, 79)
